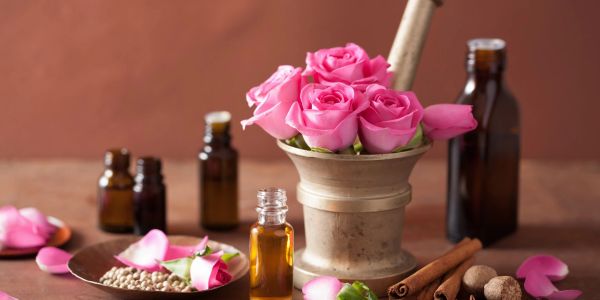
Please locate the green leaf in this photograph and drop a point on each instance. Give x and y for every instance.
(229, 256)
(180, 267)
(300, 143)
(348, 292)
(349, 150)
(356, 291)
(358, 147)
(320, 150)
(364, 290)
(416, 141)
(204, 252)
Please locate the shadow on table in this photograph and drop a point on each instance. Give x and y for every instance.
(568, 236)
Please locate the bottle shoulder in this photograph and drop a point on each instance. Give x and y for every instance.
(109, 179)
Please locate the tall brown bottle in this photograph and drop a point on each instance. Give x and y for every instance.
(115, 193)
(218, 174)
(483, 171)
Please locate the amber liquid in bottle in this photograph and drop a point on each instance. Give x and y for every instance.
(149, 197)
(218, 175)
(271, 249)
(483, 171)
(115, 193)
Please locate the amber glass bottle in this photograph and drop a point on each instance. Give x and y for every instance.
(149, 197)
(115, 193)
(218, 175)
(271, 248)
(483, 171)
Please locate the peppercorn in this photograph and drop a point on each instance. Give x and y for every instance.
(134, 279)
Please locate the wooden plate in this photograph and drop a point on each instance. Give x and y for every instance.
(61, 236)
(90, 263)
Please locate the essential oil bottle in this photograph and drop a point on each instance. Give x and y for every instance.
(115, 193)
(149, 196)
(483, 165)
(271, 248)
(218, 174)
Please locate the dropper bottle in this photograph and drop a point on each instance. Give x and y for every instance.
(271, 248)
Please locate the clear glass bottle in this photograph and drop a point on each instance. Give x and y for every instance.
(115, 193)
(483, 170)
(149, 197)
(271, 248)
(218, 174)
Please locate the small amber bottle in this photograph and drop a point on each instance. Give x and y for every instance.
(218, 174)
(271, 248)
(115, 193)
(149, 197)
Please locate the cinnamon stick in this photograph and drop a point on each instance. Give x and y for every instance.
(435, 269)
(428, 292)
(450, 286)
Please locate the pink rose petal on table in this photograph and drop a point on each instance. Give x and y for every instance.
(146, 253)
(39, 221)
(322, 288)
(538, 285)
(565, 295)
(175, 252)
(445, 121)
(17, 231)
(547, 265)
(5, 296)
(209, 271)
(53, 260)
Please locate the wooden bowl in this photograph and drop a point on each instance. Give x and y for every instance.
(90, 263)
(60, 237)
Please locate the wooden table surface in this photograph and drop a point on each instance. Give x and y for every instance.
(559, 215)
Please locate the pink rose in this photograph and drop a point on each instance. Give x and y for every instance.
(273, 99)
(326, 116)
(350, 65)
(390, 121)
(445, 121)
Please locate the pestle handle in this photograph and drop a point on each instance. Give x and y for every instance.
(408, 43)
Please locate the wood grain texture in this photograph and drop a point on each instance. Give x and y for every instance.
(558, 216)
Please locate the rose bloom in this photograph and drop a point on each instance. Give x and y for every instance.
(391, 119)
(326, 116)
(350, 65)
(445, 121)
(273, 99)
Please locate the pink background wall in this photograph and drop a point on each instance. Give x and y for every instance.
(77, 77)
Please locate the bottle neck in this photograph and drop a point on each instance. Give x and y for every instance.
(149, 170)
(272, 206)
(485, 62)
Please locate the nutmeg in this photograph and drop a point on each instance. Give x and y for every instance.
(476, 277)
(502, 288)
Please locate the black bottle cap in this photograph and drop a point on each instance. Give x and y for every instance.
(149, 165)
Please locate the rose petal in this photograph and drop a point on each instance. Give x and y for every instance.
(39, 220)
(146, 253)
(209, 271)
(548, 265)
(538, 285)
(53, 260)
(175, 252)
(445, 121)
(565, 295)
(322, 288)
(18, 232)
(5, 296)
